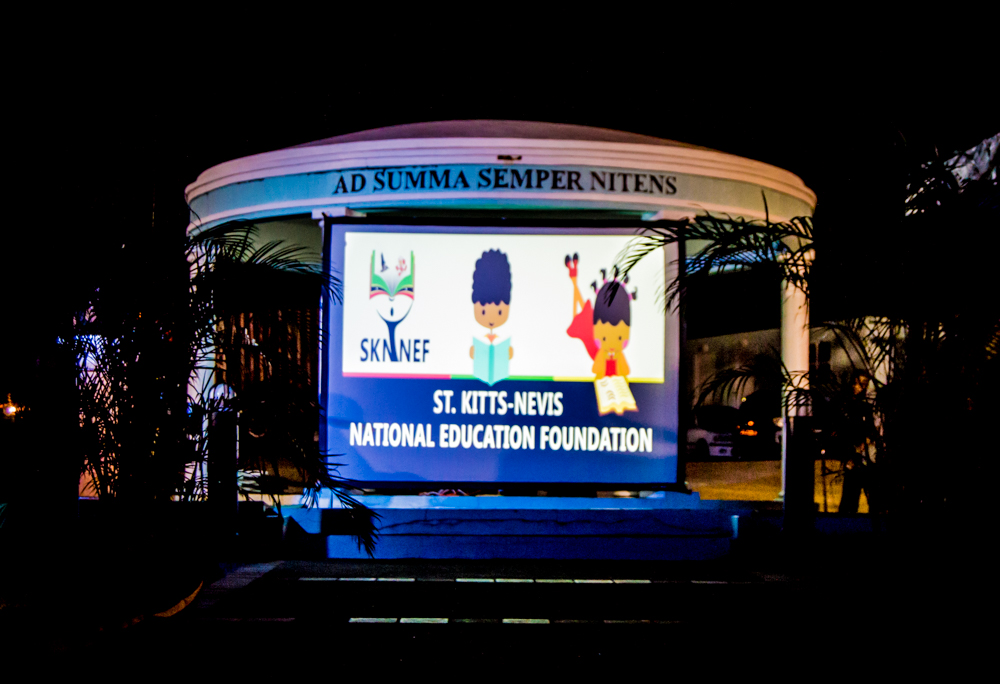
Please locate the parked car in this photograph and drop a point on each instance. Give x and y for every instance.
(725, 432)
(712, 432)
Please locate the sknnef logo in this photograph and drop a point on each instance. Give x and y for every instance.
(391, 291)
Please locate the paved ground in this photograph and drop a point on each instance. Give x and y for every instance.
(516, 616)
(761, 481)
(839, 606)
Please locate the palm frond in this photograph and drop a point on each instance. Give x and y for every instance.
(363, 520)
(763, 372)
(146, 371)
(726, 243)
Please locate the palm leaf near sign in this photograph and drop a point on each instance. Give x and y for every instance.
(245, 340)
(726, 243)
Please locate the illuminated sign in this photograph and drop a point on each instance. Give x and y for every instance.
(499, 355)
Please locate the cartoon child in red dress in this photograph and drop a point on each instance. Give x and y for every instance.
(604, 327)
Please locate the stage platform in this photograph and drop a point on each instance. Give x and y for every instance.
(666, 526)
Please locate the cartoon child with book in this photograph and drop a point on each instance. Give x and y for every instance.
(491, 307)
(604, 329)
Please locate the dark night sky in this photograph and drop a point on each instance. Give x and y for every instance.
(837, 123)
(114, 130)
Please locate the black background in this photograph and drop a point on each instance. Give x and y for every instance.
(111, 129)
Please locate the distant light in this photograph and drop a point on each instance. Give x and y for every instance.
(750, 423)
(10, 408)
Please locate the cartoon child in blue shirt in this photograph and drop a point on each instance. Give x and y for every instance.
(491, 306)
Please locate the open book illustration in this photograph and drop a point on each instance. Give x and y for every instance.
(613, 394)
(492, 361)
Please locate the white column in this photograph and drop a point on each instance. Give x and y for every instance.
(794, 356)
